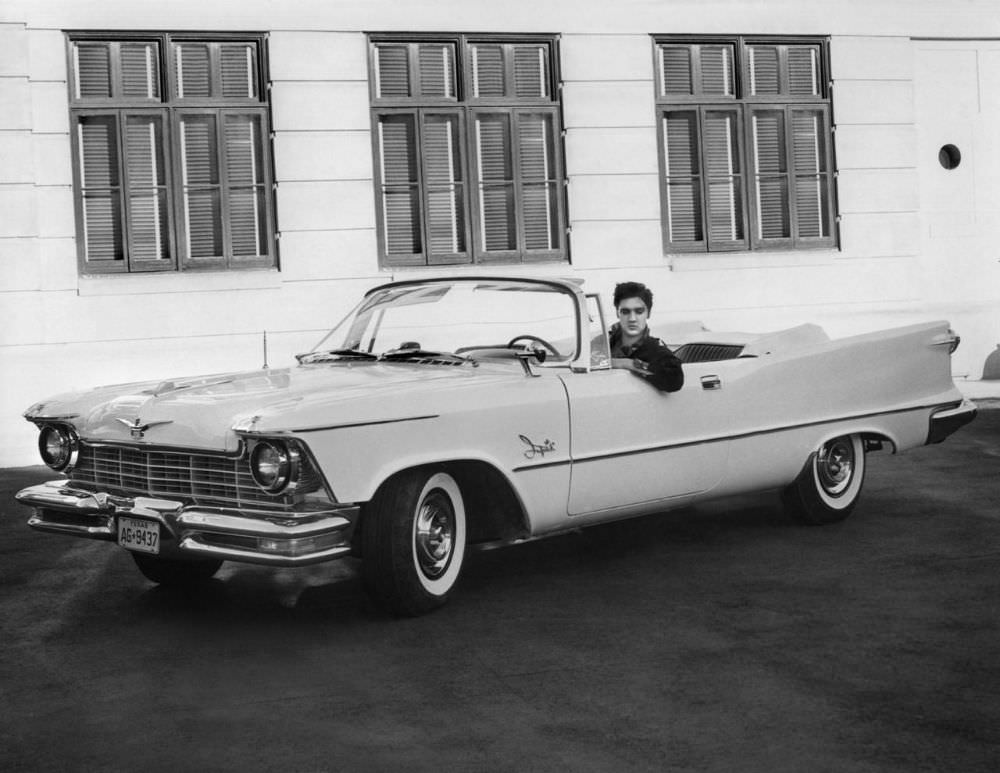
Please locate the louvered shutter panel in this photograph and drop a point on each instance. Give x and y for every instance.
(675, 70)
(683, 183)
(238, 65)
(437, 70)
(147, 192)
(100, 181)
(193, 69)
(803, 71)
(764, 70)
(200, 170)
(717, 70)
(487, 71)
(724, 181)
(140, 65)
(444, 187)
(773, 218)
(539, 189)
(242, 138)
(498, 227)
(531, 76)
(811, 181)
(400, 193)
(392, 68)
(92, 62)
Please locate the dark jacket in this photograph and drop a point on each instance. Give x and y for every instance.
(657, 363)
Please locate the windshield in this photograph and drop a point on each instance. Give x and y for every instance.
(469, 317)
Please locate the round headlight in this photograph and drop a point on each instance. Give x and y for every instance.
(271, 465)
(57, 445)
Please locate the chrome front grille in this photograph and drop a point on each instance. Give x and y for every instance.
(192, 477)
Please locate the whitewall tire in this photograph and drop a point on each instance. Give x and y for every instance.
(413, 541)
(829, 486)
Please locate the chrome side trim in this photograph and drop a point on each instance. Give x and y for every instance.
(742, 435)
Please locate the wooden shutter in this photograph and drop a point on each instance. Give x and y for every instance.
(724, 180)
(200, 186)
(804, 71)
(675, 70)
(494, 167)
(812, 182)
(444, 188)
(437, 70)
(487, 70)
(92, 70)
(531, 72)
(397, 153)
(192, 62)
(682, 186)
(716, 70)
(245, 185)
(147, 192)
(538, 180)
(392, 71)
(238, 68)
(764, 70)
(140, 70)
(771, 179)
(100, 187)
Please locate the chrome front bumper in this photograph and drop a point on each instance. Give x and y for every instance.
(253, 536)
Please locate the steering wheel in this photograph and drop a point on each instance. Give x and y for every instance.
(528, 337)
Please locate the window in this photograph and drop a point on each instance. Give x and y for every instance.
(746, 152)
(468, 150)
(171, 147)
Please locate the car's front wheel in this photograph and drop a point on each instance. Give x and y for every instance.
(829, 486)
(413, 541)
(176, 573)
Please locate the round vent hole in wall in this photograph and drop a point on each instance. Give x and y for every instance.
(949, 156)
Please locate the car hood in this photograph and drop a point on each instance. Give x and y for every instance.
(202, 412)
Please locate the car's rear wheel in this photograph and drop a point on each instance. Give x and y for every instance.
(413, 541)
(176, 573)
(829, 486)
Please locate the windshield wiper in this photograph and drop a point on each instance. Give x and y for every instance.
(422, 355)
(335, 354)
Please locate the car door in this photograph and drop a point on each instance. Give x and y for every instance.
(634, 446)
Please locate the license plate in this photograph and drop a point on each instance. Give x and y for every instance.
(139, 535)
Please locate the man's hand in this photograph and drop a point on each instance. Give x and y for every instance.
(627, 363)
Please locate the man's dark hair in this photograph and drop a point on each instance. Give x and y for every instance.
(638, 290)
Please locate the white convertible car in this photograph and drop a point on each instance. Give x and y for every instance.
(446, 413)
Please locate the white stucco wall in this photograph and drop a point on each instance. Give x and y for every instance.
(60, 330)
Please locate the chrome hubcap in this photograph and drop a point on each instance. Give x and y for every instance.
(435, 534)
(835, 466)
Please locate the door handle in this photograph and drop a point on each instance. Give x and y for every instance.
(711, 382)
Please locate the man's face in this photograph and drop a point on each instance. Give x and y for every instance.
(632, 316)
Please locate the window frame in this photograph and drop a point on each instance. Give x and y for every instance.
(172, 109)
(467, 106)
(745, 105)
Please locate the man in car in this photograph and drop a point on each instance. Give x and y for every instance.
(633, 348)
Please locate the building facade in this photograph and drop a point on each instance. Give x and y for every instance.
(195, 187)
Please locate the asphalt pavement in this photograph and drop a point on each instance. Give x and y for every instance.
(721, 638)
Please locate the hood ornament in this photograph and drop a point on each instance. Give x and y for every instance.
(137, 429)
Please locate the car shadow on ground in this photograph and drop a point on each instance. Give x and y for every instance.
(255, 596)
